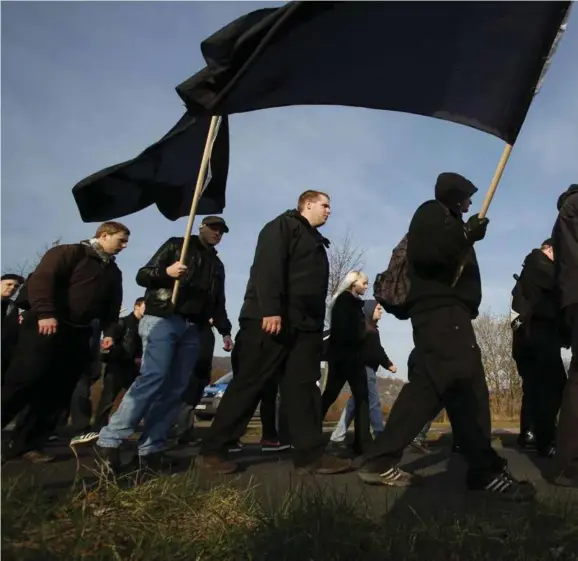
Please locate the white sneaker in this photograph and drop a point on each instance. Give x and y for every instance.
(86, 438)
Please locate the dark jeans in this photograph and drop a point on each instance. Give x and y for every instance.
(41, 378)
(540, 365)
(447, 372)
(260, 358)
(349, 369)
(566, 458)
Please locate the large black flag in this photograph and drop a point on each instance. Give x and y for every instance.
(164, 174)
(474, 63)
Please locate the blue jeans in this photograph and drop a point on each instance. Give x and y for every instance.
(170, 351)
(375, 412)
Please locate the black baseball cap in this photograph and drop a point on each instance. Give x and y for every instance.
(548, 242)
(216, 221)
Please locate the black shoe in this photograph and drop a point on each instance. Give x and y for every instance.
(108, 460)
(420, 446)
(156, 462)
(504, 486)
(527, 441)
(547, 452)
(374, 474)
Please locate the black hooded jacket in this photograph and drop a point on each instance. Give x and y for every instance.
(289, 275)
(437, 243)
(565, 238)
(538, 287)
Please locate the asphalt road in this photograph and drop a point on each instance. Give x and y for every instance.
(272, 475)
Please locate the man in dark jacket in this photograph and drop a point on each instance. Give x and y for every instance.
(121, 366)
(565, 236)
(448, 369)
(281, 325)
(170, 338)
(536, 347)
(10, 317)
(73, 285)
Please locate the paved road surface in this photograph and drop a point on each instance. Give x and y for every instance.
(272, 475)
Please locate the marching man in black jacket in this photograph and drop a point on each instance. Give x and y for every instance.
(170, 338)
(281, 332)
(536, 346)
(448, 367)
(565, 237)
(122, 364)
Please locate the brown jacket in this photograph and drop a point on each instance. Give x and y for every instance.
(73, 284)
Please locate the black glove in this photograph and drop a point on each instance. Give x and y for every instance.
(476, 228)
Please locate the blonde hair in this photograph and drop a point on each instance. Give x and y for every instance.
(350, 279)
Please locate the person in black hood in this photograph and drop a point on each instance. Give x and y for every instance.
(281, 334)
(447, 369)
(170, 339)
(536, 346)
(565, 237)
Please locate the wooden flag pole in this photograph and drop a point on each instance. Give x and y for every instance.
(488, 198)
(196, 196)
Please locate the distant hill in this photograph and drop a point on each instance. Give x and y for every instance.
(389, 389)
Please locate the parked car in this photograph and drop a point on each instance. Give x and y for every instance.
(207, 407)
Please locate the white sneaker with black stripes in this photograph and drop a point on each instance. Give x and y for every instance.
(390, 477)
(506, 487)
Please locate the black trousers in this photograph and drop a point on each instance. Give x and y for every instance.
(296, 355)
(539, 362)
(447, 372)
(273, 414)
(566, 458)
(349, 369)
(41, 378)
(480, 388)
(117, 377)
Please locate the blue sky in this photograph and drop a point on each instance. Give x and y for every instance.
(86, 85)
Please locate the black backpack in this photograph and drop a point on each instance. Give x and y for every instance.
(391, 287)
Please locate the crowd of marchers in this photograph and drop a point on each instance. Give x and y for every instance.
(66, 313)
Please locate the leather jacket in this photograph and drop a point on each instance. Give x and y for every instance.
(202, 288)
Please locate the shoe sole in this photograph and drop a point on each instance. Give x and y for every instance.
(223, 471)
(522, 497)
(376, 479)
(275, 448)
(323, 471)
(82, 441)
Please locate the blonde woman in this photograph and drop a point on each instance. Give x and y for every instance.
(345, 354)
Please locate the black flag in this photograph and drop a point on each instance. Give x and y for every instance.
(473, 63)
(164, 174)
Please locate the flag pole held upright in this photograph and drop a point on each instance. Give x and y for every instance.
(488, 198)
(196, 196)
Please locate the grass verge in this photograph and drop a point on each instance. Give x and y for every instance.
(180, 518)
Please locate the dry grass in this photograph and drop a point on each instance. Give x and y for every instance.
(179, 518)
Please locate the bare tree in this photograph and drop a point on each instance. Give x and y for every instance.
(494, 336)
(344, 256)
(24, 268)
